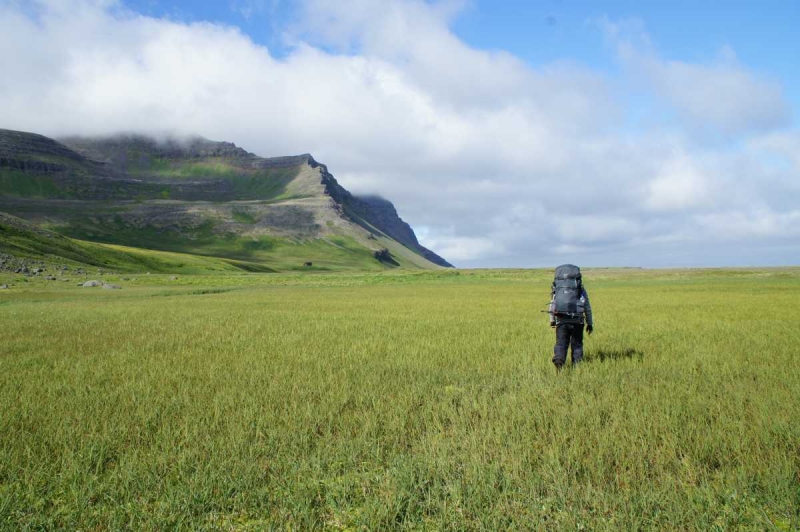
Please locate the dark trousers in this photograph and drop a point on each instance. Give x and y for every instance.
(568, 334)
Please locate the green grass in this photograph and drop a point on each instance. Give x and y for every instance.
(158, 179)
(282, 254)
(146, 166)
(195, 250)
(243, 217)
(25, 241)
(244, 183)
(394, 400)
(18, 183)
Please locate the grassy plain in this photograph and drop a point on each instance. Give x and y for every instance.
(421, 400)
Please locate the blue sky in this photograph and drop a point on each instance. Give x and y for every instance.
(672, 127)
(764, 34)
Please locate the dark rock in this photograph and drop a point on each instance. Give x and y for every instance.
(383, 255)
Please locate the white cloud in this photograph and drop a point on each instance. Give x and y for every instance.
(458, 249)
(500, 163)
(756, 223)
(718, 95)
(678, 186)
(782, 150)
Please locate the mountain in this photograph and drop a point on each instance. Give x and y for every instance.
(201, 197)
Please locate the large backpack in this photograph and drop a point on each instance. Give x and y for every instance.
(567, 289)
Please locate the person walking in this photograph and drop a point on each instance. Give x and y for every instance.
(569, 311)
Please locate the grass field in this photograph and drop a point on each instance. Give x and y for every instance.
(422, 400)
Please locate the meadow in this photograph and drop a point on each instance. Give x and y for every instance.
(407, 401)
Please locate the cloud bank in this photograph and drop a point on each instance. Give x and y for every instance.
(493, 161)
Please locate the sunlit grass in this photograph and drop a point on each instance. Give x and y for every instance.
(390, 400)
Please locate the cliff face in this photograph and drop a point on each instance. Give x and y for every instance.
(376, 213)
(192, 194)
(21, 146)
(36, 154)
(381, 214)
(121, 151)
(136, 153)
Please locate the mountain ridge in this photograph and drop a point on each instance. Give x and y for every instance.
(199, 196)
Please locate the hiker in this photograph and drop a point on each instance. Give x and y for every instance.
(569, 310)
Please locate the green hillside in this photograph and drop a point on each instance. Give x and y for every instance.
(196, 197)
(22, 241)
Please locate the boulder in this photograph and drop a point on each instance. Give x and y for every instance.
(89, 284)
(109, 286)
(3, 287)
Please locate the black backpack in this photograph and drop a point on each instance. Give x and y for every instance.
(567, 289)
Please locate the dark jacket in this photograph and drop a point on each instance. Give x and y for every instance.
(583, 303)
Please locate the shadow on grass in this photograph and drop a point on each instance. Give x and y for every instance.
(603, 355)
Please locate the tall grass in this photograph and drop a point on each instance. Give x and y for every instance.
(390, 401)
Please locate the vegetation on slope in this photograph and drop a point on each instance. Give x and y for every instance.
(193, 181)
(196, 252)
(26, 241)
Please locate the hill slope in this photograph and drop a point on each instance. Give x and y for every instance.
(202, 197)
(21, 242)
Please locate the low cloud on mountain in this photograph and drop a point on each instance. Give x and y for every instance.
(493, 161)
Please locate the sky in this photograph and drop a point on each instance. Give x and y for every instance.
(508, 134)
